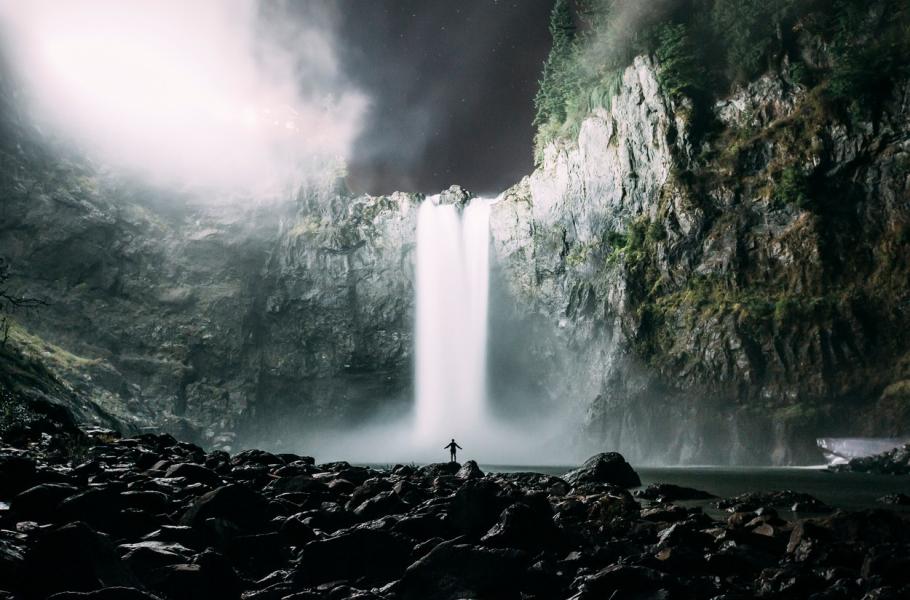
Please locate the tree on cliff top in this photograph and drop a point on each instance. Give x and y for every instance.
(555, 87)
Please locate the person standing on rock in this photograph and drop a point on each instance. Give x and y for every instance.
(453, 448)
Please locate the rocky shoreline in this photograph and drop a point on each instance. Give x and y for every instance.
(150, 517)
(892, 462)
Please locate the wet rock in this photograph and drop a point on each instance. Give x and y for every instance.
(624, 581)
(194, 474)
(74, 557)
(892, 462)
(607, 467)
(527, 525)
(898, 499)
(469, 470)
(751, 501)
(234, 503)
(380, 505)
(377, 556)
(145, 557)
(17, 473)
(210, 577)
(439, 469)
(668, 492)
(453, 570)
(258, 555)
(111, 593)
(39, 503)
(475, 507)
(297, 483)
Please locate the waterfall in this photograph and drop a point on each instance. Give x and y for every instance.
(451, 333)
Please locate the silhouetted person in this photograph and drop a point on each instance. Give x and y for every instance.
(452, 446)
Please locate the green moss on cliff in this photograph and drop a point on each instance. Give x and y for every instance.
(736, 41)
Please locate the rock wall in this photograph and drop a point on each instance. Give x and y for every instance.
(207, 317)
(724, 299)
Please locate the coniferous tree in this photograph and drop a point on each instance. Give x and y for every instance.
(552, 94)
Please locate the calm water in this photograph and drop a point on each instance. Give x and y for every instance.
(851, 491)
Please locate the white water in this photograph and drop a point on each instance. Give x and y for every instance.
(451, 333)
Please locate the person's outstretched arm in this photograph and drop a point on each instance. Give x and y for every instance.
(459, 447)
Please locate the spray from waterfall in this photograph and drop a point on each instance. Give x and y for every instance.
(451, 330)
(452, 296)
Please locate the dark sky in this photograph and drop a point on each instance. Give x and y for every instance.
(452, 84)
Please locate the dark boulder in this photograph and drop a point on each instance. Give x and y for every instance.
(381, 505)
(527, 525)
(237, 504)
(257, 457)
(625, 581)
(752, 501)
(439, 469)
(297, 484)
(897, 499)
(17, 473)
(39, 503)
(193, 473)
(260, 554)
(12, 558)
(475, 507)
(376, 556)
(111, 593)
(74, 558)
(210, 576)
(668, 492)
(606, 467)
(469, 470)
(453, 571)
(145, 557)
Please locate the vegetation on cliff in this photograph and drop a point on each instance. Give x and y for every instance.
(705, 47)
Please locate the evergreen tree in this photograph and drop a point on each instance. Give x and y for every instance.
(550, 101)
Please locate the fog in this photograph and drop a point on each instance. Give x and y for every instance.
(209, 93)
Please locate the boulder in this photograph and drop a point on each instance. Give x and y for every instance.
(210, 576)
(375, 556)
(297, 483)
(469, 470)
(897, 499)
(381, 505)
(237, 504)
(74, 557)
(527, 525)
(439, 469)
(668, 492)
(17, 473)
(39, 503)
(752, 501)
(455, 570)
(111, 593)
(475, 507)
(625, 581)
(606, 467)
(193, 473)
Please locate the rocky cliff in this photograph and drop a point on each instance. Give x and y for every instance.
(722, 299)
(204, 316)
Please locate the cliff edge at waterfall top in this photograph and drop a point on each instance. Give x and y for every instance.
(646, 264)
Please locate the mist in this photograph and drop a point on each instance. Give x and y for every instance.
(207, 94)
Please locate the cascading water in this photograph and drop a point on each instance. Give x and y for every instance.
(451, 333)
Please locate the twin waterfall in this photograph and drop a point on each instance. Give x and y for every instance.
(451, 334)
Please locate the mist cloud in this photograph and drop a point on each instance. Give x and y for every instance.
(210, 93)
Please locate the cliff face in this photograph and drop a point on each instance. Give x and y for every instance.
(687, 294)
(205, 318)
(725, 300)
